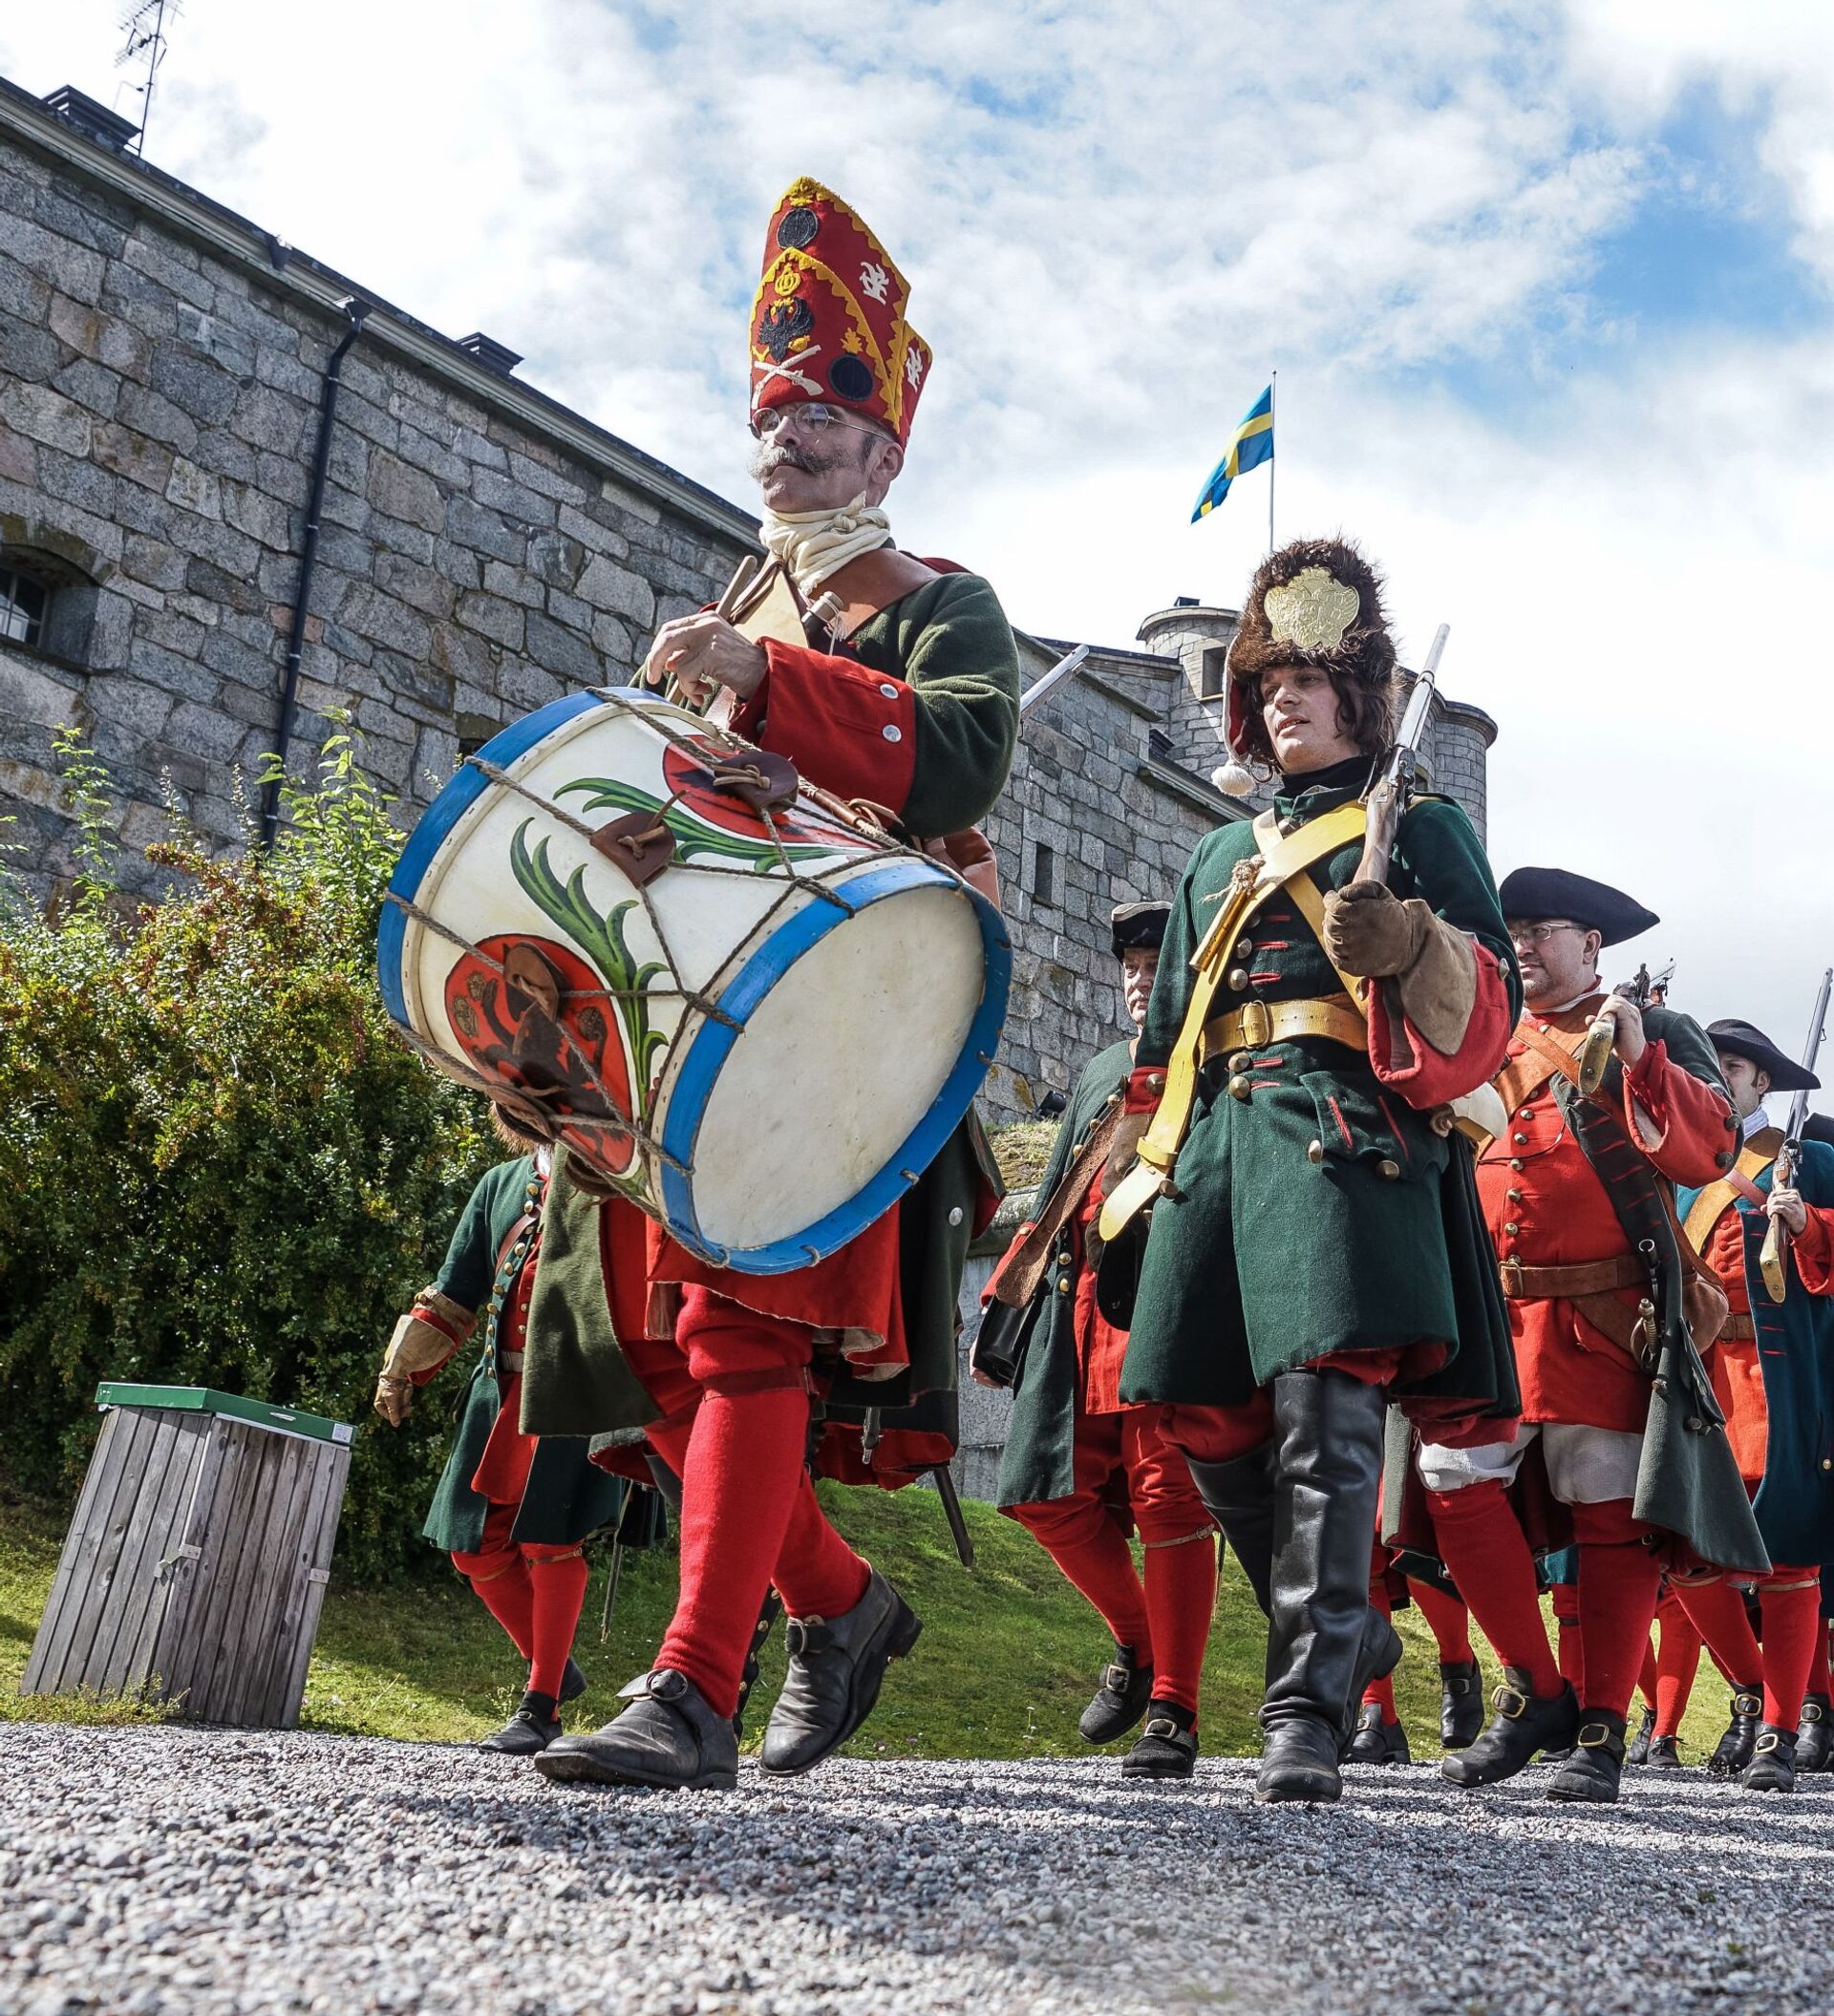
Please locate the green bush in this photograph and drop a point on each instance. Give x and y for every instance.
(219, 1166)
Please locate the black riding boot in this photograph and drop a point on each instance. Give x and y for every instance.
(1239, 1497)
(1324, 1643)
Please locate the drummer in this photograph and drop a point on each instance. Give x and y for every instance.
(906, 697)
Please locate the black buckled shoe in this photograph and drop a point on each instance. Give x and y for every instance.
(572, 1683)
(1637, 1749)
(1521, 1726)
(1663, 1754)
(837, 1665)
(1591, 1774)
(529, 1730)
(1378, 1742)
(1736, 1747)
(668, 1737)
(1773, 1761)
(1460, 1704)
(1815, 1735)
(1299, 1763)
(1120, 1700)
(1168, 1746)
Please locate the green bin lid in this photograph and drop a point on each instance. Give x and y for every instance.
(204, 1400)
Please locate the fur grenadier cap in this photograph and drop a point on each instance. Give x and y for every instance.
(1139, 926)
(1316, 602)
(828, 322)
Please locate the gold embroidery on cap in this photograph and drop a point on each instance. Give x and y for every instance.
(1312, 610)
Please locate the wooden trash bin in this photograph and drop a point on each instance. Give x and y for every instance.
(196, 1564)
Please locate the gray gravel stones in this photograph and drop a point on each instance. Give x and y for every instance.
(169, 1872)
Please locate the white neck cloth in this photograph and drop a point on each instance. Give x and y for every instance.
(815, 545)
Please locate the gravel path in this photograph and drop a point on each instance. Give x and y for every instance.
(167, 1872)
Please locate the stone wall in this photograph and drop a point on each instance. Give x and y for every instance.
(157, 414)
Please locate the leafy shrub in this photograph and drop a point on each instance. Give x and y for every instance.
(219, 1166)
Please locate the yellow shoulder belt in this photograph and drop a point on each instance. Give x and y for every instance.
(1257, 880)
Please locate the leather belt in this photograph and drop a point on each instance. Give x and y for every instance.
(510, 1363)
(1257, 1024)
(1597, 1277)
(1737, 1329)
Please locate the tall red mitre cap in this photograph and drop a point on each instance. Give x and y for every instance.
(828, 322)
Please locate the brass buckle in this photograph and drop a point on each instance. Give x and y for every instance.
(1507, 1702)
(1256, 1025)
(1510, 1273)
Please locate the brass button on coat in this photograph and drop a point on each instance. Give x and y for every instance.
(1391, 1170)
(1063, 1285)
(1314, 1150)
(1511, 1230)
(1238, 978)
(1238, 1086)
(1240, 1060)
(1513, 1197)
(1247, 946)
(1516, 1164)
(1520, 1140)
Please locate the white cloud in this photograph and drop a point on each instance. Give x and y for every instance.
(1115, 221)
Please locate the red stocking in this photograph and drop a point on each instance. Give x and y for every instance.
(817, 1574)
(1486, 1553)
(1677, 1659)
(1571, 1643)
(1820, 1680)
(1619, 1581)
(1181, 1595)
(1080, 1535)
(499, 1578)
(557, 1584)
(1792, 1624)
(1720, 1617)
(1449, 1620)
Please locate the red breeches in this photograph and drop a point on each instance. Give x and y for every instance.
(1165, 1620)
(733, 1387)
(532, 1590)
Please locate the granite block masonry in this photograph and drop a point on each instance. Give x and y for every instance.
(483, 550)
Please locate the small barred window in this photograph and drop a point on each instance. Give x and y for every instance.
(23, 601)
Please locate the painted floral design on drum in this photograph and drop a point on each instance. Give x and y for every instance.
(708, 822)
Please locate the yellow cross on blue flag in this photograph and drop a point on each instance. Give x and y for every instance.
(1253, 445)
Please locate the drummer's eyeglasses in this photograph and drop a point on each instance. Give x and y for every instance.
(813, 415)
(1539, 934)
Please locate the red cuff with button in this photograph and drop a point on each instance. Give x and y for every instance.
(847, 728)
(1145, 1087)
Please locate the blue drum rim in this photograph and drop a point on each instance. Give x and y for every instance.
(713, 1044)
(450, 804)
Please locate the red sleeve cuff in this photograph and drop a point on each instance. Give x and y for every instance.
(847, 728)
(1425, 1078)
(1813, 1249)
(1683, 1124)
(1145, 1087)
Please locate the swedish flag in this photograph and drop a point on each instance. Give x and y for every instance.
(1253, 445)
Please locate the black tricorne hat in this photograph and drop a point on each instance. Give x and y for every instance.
(1139, 926)
(1745, 1039)
(1535, 893)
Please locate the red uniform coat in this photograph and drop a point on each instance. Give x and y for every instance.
(1544, 1207)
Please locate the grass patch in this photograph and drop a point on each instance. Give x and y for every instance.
(1008, 1660)
(1022, 1151)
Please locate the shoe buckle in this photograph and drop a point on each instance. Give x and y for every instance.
(805, 1634)
(1511, 1703)
(664, 1684)
(1593, 1735)
(1766, 1742)
(1814, 1711)
(1743, 1703)
(1117, 1679)
(1163, 1727)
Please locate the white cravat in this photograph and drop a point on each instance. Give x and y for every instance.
(815, 545)
(1754, 1122)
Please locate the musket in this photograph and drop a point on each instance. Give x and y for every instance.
(1772, 1258)
(1596, 1052)
(1387, 798)
(1042, 687)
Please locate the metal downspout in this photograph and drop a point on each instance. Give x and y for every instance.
(354, 311)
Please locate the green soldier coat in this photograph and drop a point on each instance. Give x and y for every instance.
(1320, 1213)
(565, 1497)
(1039, 1460)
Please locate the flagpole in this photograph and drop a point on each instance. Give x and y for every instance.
(1272, 379)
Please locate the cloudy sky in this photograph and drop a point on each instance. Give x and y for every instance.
(1547, 287)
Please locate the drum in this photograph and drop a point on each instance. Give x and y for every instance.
(754, 1013)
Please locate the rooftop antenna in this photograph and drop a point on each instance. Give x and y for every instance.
(144, 26)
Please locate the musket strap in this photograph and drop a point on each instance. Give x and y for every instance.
(1753, 1158)
(1284, 863)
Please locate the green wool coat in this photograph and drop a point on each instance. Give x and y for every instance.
(566, 1498)
(1039, 1460)
(1265, 1260)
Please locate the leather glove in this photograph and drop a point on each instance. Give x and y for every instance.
(970, 853)
(419, 1345)
(1369, 932)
